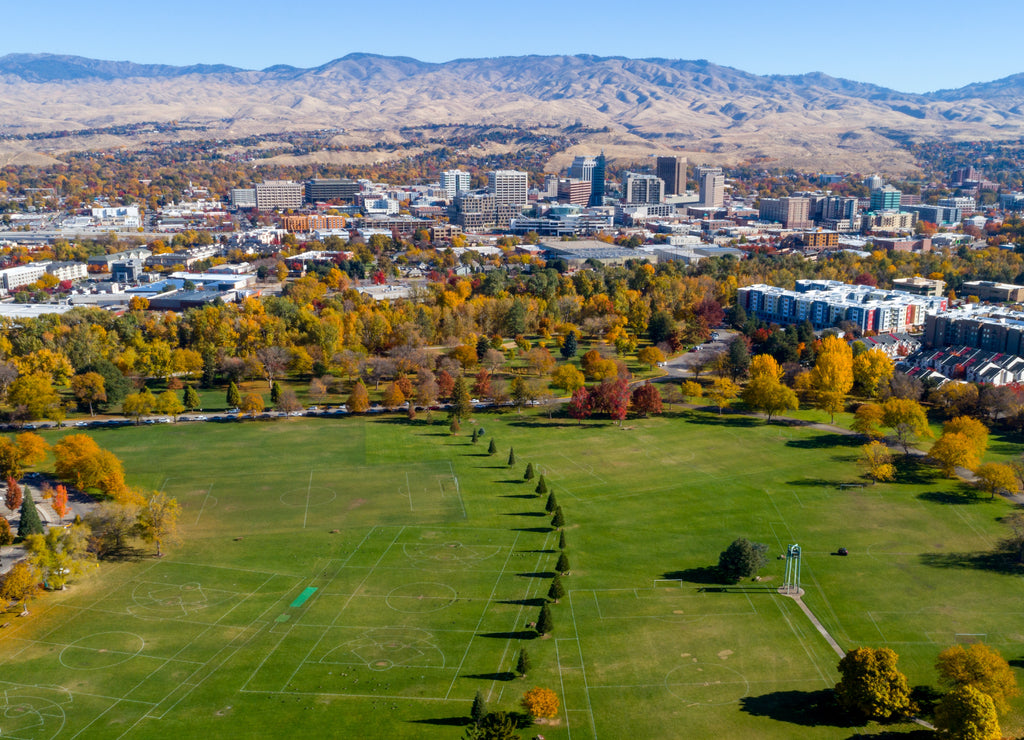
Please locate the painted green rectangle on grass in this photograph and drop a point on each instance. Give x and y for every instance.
(303, 597)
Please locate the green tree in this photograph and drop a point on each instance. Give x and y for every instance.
(738, 357)
(558, 519)
(461, 407)
(523, 663)
(542, 486)
(479, 708)
(557, 591)
(981, 667)
(561, 540)
(551, 503)
(742, 559)
(967, 714)
(192, 401)
(494, 726)
(528, 475)
(570, 346)
(275, 392)
(871, 684)
(511, 456)
(544, 622)
(234, 397)
(30, 522)
(492, 447)
(562, 566)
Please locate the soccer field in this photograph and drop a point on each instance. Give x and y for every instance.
(366, 577)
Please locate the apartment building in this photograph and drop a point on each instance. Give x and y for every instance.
(276, 195)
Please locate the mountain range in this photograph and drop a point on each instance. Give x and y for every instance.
(646, 105)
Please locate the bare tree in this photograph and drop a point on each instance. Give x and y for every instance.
(274, 360)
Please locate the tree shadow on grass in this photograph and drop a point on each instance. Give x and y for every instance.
(994, 561)
(123, 554)
(538, 601)
(708, 575)
(519, 495)
(921, 734)
(444, 721)
(499, 676)
(526, 513)
(823, 441)
(520, 635)
(815, 483)
(963, 496)
(914, 471)
(519, 481)
(537, 530)
(538, 574)
(726, 420)
(806, 708)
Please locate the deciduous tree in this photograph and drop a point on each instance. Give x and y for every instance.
(980, 667)
(723, 390)
(971, 428)
(13, 497)
(871, 684)
(168, 403)
(579, 405)
(906, 419)
(359, 399)
(871, 369)
(967, 714)
(832, 376)
(953, 450)
(158, 520)
(568, 378)
(646, 399)
(742, 559)
(138, 405)
(252, 404)
(20, 584)
(996, 477)
(867, 420)
(650, 356)
(877, 460)
(89, 388)
(542, 703)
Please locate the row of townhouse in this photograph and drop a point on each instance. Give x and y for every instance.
(970, 364)
(826, 303)
(995, 329)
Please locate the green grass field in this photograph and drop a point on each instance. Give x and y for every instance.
(365, 577)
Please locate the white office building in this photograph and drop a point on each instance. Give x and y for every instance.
(508, 186)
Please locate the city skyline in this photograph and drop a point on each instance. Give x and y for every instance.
(766, 39)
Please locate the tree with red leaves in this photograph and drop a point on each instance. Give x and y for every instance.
(579, 406)
(612, 398)
(646, 400)
(13, 498)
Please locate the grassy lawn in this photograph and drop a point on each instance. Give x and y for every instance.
(365, 577)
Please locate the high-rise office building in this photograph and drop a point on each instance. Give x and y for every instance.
(672, 171)
(326, 190)
(790, 212)
(582, 168)
(279, 194)
(712, 188)
(508, 186)
(597, 182)
(885, 199)
(454, 182)
(644, 188)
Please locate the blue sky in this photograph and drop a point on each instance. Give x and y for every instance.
(909, 46)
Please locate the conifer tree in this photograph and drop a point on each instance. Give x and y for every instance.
(528, 475)
(479, 710)
(30, 522)
(561, 540)
(275, 392)
(523, 664)
(551, 504)
(511, 456)
(562, 566)
(544, 622)
(557, 590)
(542, 486)
(558, 520)
(492, 448)
(234, 398)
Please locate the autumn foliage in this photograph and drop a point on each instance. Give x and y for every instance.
(541, 703)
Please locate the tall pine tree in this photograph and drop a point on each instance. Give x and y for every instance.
(30, 522)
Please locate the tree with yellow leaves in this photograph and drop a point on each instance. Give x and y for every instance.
(541, 703)
(995, 477)
(867, 419)
(832, 376)
(158, 519)
(764, 391)
(971, 428)
(953, 450)
(870, 369)
(877, 458)
(722, 391)
(980, 667)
